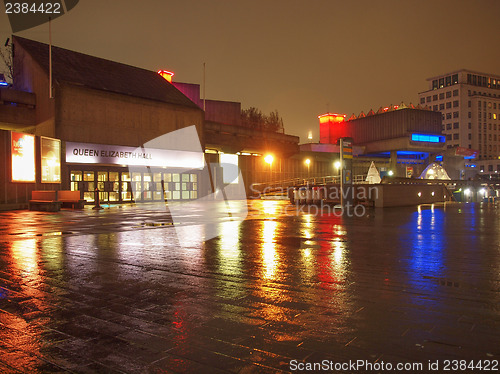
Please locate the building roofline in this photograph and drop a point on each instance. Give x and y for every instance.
(463, 70)
(80, 69)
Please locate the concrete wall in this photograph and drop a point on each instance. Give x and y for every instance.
(226, 112)
(30, 77)
(17, 109)
(389, 125)
(93, 116)
(232, 139)
(392, 195)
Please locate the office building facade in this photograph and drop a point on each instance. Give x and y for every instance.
(469, 103)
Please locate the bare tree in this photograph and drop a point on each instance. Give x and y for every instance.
(254, 118)
(274, 122)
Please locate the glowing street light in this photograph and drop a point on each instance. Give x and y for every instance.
(307, 162)
(269, 159)
(337, 164)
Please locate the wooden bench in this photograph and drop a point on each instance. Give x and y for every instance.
(45, 201)
(70, 198)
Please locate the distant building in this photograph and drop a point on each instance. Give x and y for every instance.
(469, 103)
(402, 139)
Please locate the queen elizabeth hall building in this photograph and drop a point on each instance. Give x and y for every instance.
(97, 127)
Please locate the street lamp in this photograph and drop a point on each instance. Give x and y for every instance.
(337, 164)
(269, 159)
(308, 162)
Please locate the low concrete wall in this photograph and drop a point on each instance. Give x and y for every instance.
(391, 195)
(387, 195)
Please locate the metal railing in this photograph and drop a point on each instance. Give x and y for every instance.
(297, 182)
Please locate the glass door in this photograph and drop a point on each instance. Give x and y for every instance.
(147, 187)
(137, 186)
(75, 177)
(88, 194)
(157, 194)
(126, 187)
(102, 177)
(167, 186)
(114, 180)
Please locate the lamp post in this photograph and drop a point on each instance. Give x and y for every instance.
(308, 162)
(269, 159)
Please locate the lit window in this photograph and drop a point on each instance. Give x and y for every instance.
(427, 138)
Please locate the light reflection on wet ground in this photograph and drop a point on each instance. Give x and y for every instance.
(113, 291)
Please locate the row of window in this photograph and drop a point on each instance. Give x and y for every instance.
(456, 136)
(445, 81)
(489, 104)
(117, 186)
(490, 127)
(441, 96)
(490, 137)
(490, 168)
(482, 81)
(449, 115)
(490, 115)
(448, 126)
(428, 99)
(482, 94)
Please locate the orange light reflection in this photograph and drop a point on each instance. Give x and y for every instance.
(269, 248)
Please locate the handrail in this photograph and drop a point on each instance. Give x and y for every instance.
(296, 182)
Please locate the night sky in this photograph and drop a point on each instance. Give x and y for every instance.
(301, 58)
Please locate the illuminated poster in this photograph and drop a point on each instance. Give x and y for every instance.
(23, 157)
(51, 160)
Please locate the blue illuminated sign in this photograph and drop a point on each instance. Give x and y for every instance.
(427, 138)
(439, 158)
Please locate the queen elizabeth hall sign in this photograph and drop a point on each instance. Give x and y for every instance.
(86, 153)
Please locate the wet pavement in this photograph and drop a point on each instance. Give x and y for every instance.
(112, 291)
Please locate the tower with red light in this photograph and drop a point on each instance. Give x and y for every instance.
(332, 126)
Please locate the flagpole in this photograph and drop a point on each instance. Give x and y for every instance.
(203, 86)
(50, 59)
